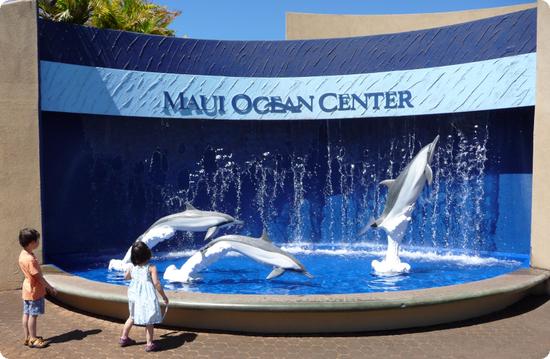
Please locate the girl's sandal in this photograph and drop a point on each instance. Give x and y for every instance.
(124, 342)
(151, 347)
(37, 343)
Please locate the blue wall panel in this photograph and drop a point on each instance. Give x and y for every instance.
(106, 179)
(491, 38)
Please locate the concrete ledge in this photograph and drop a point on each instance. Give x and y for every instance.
(311, 313)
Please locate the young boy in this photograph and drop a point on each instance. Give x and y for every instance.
(34, 287)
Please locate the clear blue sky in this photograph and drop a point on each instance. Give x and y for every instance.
(265, 19)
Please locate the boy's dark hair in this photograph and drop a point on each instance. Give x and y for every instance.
(140, 253)
(27, 236)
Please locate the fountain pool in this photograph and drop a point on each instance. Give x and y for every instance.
(336, 271)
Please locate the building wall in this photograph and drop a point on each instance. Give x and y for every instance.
(321, 26)
(540, 240)
(19, 139)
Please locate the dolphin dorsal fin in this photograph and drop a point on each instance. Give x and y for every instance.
(429, 174)
(388, 183)
(264, 236)
(189, 206)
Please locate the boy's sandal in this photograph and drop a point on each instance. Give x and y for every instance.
(27, 341)
(151, 347)
(38, 343)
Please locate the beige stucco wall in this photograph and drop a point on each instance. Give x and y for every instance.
(19, 156)
(320, 26)
(540, 236)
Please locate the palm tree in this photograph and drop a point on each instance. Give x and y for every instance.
(134, 15)
(130, 15)
(73, 11)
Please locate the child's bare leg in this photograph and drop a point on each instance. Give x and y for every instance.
(32, 326)
(127, 326)
(149, 333)
(25, 321)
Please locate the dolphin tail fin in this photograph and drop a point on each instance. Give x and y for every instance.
(212, 231)
(388, 183)
(189, 206)
(366, 227)
(377, 222)
(275, 273)
(204, 249)
(429, 174)
(373, 223)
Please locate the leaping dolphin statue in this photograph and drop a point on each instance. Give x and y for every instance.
(261, 250)
(192, 220)
(402, 195)
(195, 220)
(406, 188)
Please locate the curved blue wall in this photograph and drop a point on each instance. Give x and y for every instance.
(126, 140)
(492, 38)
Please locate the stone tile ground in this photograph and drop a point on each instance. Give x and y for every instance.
(522, 331)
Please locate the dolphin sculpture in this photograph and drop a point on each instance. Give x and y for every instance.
(195, 220)
(406, 188)
(260, 249)
(192, 220)
(402, 195)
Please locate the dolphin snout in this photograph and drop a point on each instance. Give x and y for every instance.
(238, 222)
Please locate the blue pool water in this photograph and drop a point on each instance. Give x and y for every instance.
(336, 271)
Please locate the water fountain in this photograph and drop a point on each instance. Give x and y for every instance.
(307, 170)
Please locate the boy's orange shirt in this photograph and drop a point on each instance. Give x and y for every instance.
(33, 288)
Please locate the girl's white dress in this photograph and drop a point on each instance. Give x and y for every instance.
(142, 297)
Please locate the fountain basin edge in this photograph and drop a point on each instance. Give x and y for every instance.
(285, 314)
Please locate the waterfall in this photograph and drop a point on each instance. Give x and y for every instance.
(302, 199)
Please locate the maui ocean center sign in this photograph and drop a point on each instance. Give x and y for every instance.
(476, 86)
(243, 104)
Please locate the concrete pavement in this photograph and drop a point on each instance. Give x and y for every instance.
(521, 331)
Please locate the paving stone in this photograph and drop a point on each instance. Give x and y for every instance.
(521, 331)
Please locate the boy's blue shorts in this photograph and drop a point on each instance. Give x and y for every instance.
(33, 307)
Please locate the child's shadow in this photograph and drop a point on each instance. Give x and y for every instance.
(173, 340)
(72, 335)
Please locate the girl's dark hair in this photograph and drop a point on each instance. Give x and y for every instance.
(28, 235)
(140, 253)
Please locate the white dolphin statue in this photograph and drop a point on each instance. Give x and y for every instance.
(192, 220)
(259, 249)
(402, 195)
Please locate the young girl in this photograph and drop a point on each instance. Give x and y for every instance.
(142, 299)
